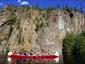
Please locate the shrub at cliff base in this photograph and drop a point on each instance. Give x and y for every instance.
(79, 49)
(67, 48)
(74, 49)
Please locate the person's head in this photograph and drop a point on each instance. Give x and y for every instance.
(14, 50)
(31, 50)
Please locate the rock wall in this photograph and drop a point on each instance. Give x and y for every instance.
(38, 29)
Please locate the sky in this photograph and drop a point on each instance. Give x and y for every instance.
(46, 3)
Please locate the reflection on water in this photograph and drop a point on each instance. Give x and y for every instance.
(3, 60)
(37, 62)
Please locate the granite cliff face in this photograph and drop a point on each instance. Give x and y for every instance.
(38, 29)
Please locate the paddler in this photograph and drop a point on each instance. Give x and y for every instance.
(31, 51)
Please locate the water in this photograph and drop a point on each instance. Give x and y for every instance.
(3, 60)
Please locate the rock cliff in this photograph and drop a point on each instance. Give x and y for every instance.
(38, 29)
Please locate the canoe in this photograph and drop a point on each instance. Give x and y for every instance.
(33, 57)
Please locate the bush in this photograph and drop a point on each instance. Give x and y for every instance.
(68, 47)
(11, 8)
(39, 24)
(74, 49)
(75, 9)
(68, 8)
(18, 25)
(24, 7)
(48, 10)
(79, 49)
(7, 50)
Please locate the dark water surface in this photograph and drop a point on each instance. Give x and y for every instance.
(3, 60)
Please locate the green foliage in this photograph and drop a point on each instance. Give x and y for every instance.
(18, 25)
(74, 49)
(36, 7)
(24, 7)
(68, 47)
(39, 24)
(79, 49)
(48, 10)
(23, 50)
(68, 8)
(21, 40)
(11, 8)
(7, 50)
(75, 9)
